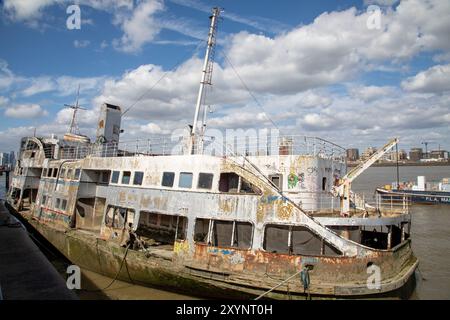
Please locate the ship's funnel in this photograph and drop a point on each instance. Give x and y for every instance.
(108, 127)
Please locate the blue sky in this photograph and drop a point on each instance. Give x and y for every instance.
(315, 67)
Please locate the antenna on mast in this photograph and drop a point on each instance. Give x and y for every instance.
(206, 75)
(73, 124)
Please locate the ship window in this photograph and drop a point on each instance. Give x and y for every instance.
(165, 220)
(181, 227)
(104, 177)
(109, 216)
(324, 183)
(167, 179)
(232, 183)
(276, 239)
(138, 178)
(64, 204)
(115, 177)
(44, 172)
(55, 172)
(375, 238)
(126, 177)
(185, 180)
(120, 215)
(229, 182)
(297, 240)
(58, 202)
(168, 228)
(222, 233)
(44, 200)
(247, 187)
(205, 180)
(81, 211)
(153, 218)
(50, 172)
(276, 180)
(69, 174)
(77, 174)
(62, 173)
(243, 235)
(305, 242)
(201, 230)
(117, 216)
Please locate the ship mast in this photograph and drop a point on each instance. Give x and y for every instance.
(206, 74)
(73, 124)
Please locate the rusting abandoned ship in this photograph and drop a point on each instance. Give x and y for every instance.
(272, 224)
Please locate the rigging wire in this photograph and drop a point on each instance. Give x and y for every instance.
(179, 62)
(250, 92)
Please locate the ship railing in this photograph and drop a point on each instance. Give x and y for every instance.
(399, 203)
(324, 202)
(151, 147)
(316, 201)
(279, 145)
(248, 146)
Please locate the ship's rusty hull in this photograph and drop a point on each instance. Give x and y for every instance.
(220, 278)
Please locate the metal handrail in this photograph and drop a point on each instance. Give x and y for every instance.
(163, 146)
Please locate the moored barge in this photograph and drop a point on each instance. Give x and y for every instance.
(421, 193)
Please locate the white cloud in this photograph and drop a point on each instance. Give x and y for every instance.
(151, 128)
(435, 79)
(68, 85)
(314, 121)
(255, 22)
(25, 111)
(442, 57)
(62, 86)
(369, 93)
(311, 99)
(243, 119)
(338, 45)
(3, 101)
(140, 27)
(7, 78)
(81, 43)
(381, 2)
(25, 9)
(21, 10)
(85, 118)
(39, 85)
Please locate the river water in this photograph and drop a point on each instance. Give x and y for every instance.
(430, 235)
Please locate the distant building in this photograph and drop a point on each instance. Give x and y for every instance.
(4, 158)
(352, 154)
(7, 159)
(368, 153)
(12, 159)
(416, 154)
(402, 155)
(438, 154)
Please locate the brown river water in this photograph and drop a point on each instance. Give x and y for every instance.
(430, 239)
